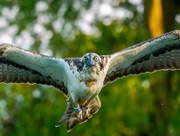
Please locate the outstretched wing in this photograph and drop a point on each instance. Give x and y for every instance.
(21, 66)
(161, 53)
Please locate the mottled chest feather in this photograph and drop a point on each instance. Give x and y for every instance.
(88, 69)
(91, 75)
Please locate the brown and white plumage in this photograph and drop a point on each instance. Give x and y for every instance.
(161, 53)
(81, 79)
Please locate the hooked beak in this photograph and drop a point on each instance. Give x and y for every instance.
(90, 63)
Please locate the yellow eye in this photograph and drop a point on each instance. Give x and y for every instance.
(84, 59)
(96, 58)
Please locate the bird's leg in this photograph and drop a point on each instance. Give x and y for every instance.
(87, 113)
(76, 114)
(72, 116)
(77, 109)
(76, 106)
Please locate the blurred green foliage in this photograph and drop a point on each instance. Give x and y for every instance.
(147, 104)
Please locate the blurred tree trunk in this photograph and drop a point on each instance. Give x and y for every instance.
(160, 15)
(160, 18)
(154, 17)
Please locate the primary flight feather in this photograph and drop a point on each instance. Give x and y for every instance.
(81, 79)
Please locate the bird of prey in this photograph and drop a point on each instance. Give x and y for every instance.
(81, 79)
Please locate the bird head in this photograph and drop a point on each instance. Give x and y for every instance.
(91, 59)
(92, 69)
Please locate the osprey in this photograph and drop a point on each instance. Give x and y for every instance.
(81, 79)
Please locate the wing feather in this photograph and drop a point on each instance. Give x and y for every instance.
(20, 66)
(161, 53)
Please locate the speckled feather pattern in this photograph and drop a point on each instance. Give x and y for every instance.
(81, 79)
